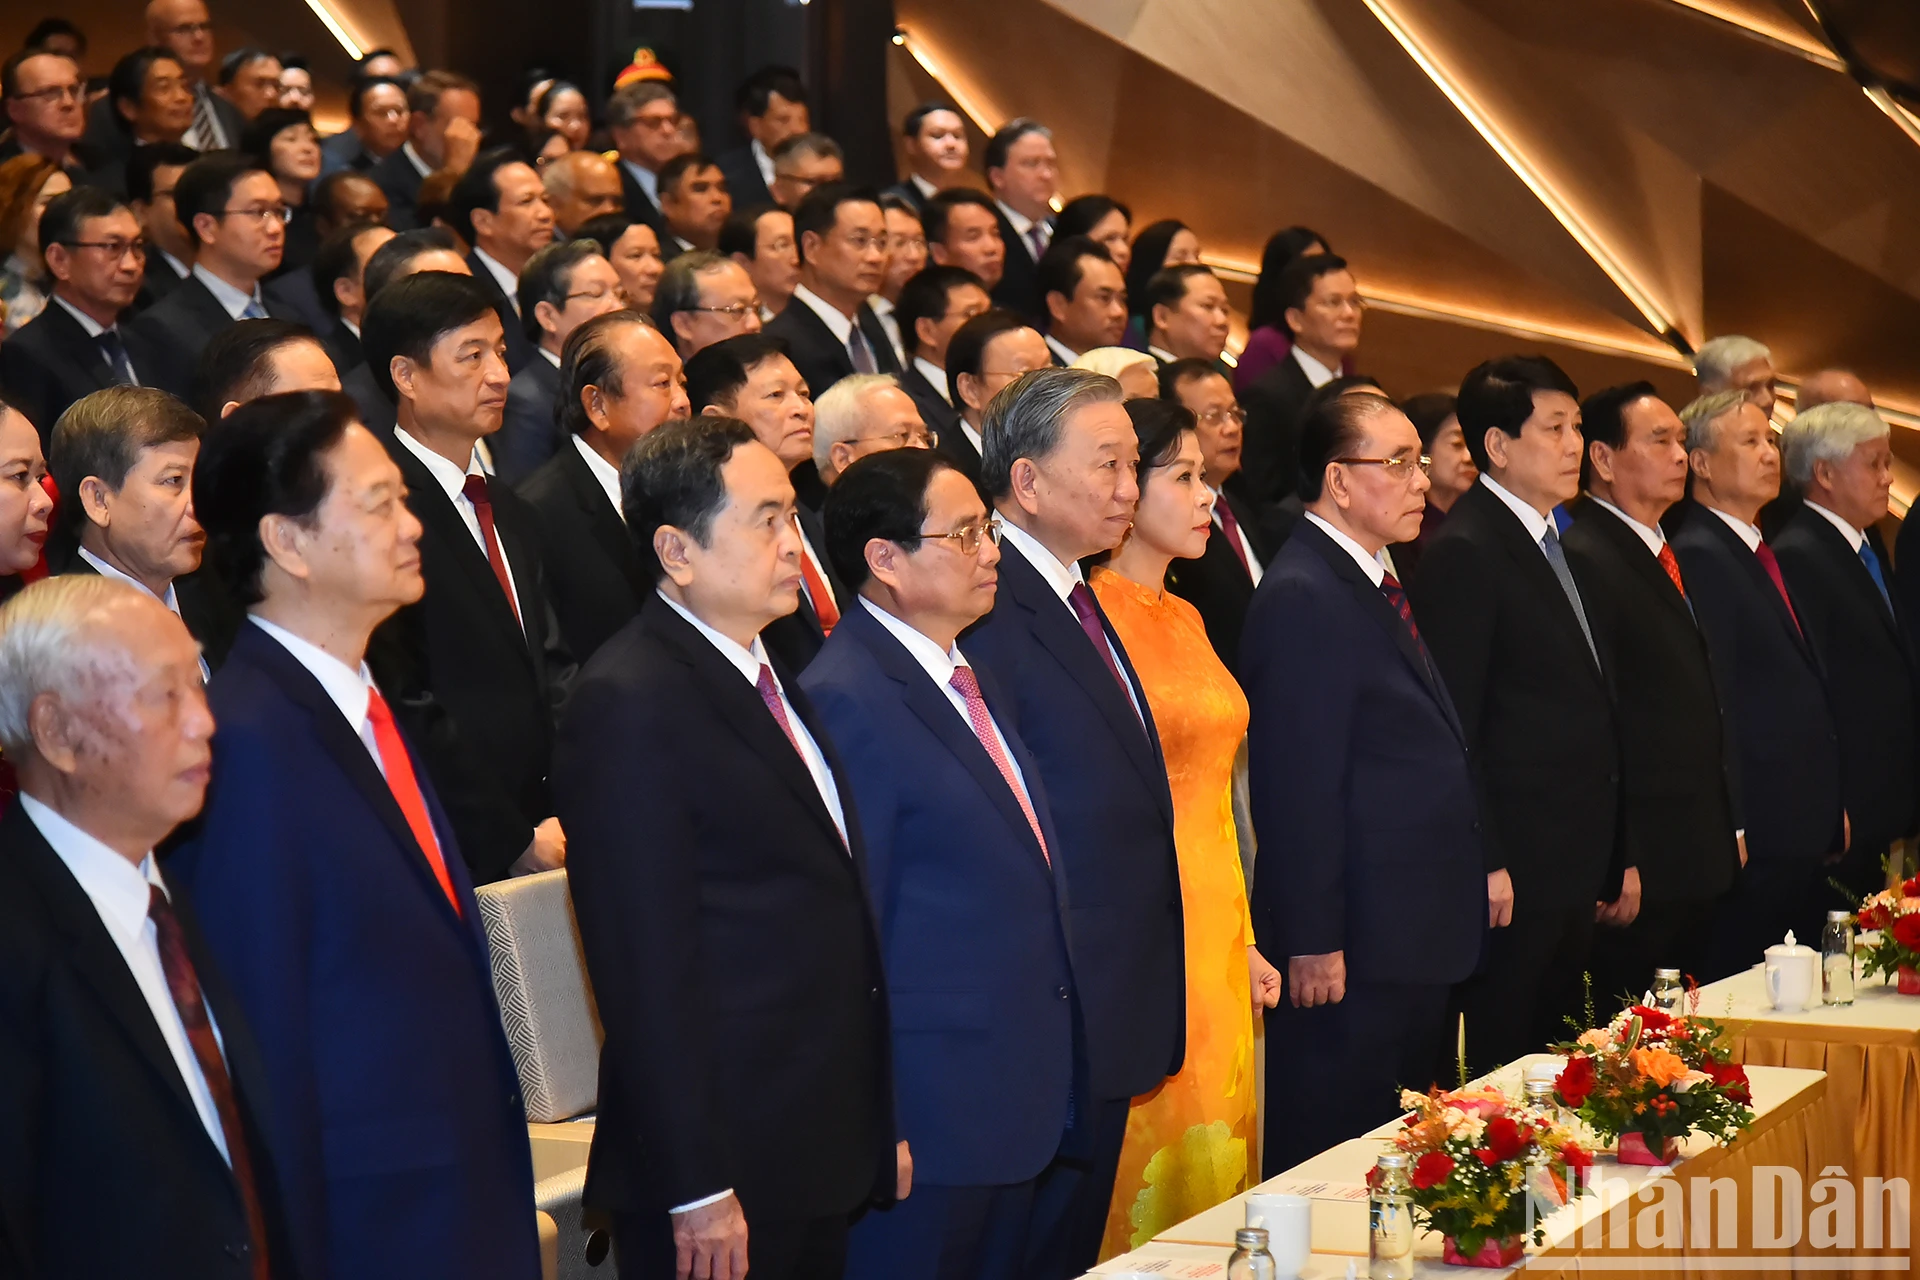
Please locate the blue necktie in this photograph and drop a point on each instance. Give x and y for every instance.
(1550, 543)
(254, 310)
(1872, 561)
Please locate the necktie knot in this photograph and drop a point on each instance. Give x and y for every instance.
(475, 489)
(966, 683)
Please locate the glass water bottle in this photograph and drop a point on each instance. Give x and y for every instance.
(1836, 959)
(1390, 1220)
(1667, 990)
(1250, 1260)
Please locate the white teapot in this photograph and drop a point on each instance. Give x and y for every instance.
(1793, 976)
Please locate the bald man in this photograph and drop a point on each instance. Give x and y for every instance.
(1832, 386)
(581, 186)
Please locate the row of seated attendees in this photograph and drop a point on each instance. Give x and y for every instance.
(863, 596)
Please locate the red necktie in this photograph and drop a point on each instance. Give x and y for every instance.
(476, 490)
(1080, 599)
(1764, 554)
(770, 694)
(1231, 527)
(968, 687)
(1671, 563)
(184, 985)
(823, 606)
(406, 790)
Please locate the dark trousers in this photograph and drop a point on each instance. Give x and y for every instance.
(944, 1233)
(1768, 899)
(1071, 1196)
(1351, 1059)
(777, 1249)
(1665, 935)
(1530, 981)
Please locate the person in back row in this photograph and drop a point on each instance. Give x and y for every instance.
(562, 287)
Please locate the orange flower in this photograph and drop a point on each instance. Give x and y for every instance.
(1658, 1065)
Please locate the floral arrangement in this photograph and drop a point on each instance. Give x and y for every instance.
(1650, 1078)
(1474, 1157)
(1894, 916)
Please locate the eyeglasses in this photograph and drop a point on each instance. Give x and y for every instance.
(1401, 469)
(805, 184)
(902, 439)
(866, 243)
(115, 249)
(967, 541)
(908, 242)
(1220, 417)
(54, 93)
(191, 29)
(271, 213)
(732, 311)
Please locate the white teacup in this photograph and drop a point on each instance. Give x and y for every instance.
(1289, 1225)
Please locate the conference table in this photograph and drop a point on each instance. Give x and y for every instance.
(1623, 1226)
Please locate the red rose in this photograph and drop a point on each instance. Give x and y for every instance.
(1652, 1021)
(1432, 1169)
(1576, 1157)
(1575, 1081)
(1873, 918)
(1906, 932)
(1732, 1077)
(1504, 1136)
(1911, 889)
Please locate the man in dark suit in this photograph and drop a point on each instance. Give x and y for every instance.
(963, 230)
(931, 308)
(704, 298)
(1779, 729)
(1348, 710)
(1059, 461)
(184, 30)
(234, 212)
(718, 872)
(408, 253)
(643, 119)
(1684, 836)
(1023, 172)
(829, 329)
(984, 355)
(44, 97)
(75, 346)
(1505, 620)
(936, 146)
(258, 358)
(958, 842)
(562, 287)
(482, 646)
(443, 131)
(1085, 298)
(1322, 314)
(863, 415)
(694, 204)
(1221, 583)
(338, 279)
(771, 105)
(377, 116)
(152, 173)
(342, 201)
(619, 380)
(500, 208)
(1187, 314)
(330, 883)
(131, 1083)
(1841, 458)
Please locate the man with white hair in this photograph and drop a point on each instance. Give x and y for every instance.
(132, 1081)
(866, 413)
(1840, 456)
(1735, 363)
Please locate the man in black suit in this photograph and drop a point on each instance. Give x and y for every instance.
(342, 200)
(1085, 298)
(1778, 725)
(130, 1080)
(481, 646)
(746, 1104)
(258, 358)
(183, 28)
(234, 212)
(443, 132)
(931, 308)
(936, 146)
(500, 208)
(619, 380)
(771, 105)
(1023, 172)
(694, 204)
(1362, 793)
(1059, 460)
(408, 253)
(703, 298)
(829, 329)
(1506, 621)
(1684, 837)
(802, 165)
(1221, 583)
(1321, 312)
(76, 346)
(1187, 314)
(984, 355)
(643, 120)
(338, 277)
(377, 115)
(562, 287)
(45, 98)
(152, 173)
(963, 230)
(1841, 458)
(863, 415)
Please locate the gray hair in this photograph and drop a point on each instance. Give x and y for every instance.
(1705, 411)
(1025, 419)
(1715, 361)
(801, 145)
(48, 646)
(1827, 433)
(679, 287)
(839, 413)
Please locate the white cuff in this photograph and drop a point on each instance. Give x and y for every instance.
(702, 1202)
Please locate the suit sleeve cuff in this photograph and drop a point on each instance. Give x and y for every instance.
(702, 1202)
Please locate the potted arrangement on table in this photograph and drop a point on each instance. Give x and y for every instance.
(1649, 1079)
(1474, 1160)
(1894, 916)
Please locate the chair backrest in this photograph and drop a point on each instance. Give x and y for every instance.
(546, 1004)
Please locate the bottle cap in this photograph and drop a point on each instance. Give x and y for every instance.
(1659, 974)
(1540, 1088)
(1392, 1160)
(1251, 1238)
(1840, 917)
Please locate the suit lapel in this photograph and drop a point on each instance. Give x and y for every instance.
(1640, 562)
(80, 350)
(1756, 574)
(603, 523)
(1533, 566)
(877, 340)
(436, 510)
(1856, 569)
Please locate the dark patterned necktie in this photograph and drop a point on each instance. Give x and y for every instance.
(115, 352)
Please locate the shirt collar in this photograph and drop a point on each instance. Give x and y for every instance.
(118, 889)
(233, 301)
(1063, 578)
(509, 282)
(649, 180)
(939, 666)
(762, 160)
(1020, 222)
(180, 268)
(1654, 537)
(414, 158)
(936, 377)
(1161, 354)
(1535, 523)
(972, 433)
(1369, 565)
(836, 320)
(879, 305)
(1746, 532)
(925, 188)
(1317, 374)
(350, 326)
(552, 359)
(450, 476)
(747, 661)
(93, 327)
(1062, 350)
(346, 688)
(1856, 538)
(603, 471)
(105, 570)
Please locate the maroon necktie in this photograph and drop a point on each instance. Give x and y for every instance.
(1397, 597)
(476, 490)
(1764, 554)
(1081, 600)
(1231, 527)
(770, 694)
(184, 985)
(967, 685)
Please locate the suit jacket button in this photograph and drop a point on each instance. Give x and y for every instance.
(873, 993)
(1060, 993)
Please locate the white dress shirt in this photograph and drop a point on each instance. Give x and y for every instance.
(509, 282)
(882, 309)
(1369, 564)
(414, 158)
(972, 434)
(1063, 578)
(603, 471)
(1744, 531)
(936, 377)
(553, 357)
(1654, 537)
(1535, 524)
(120, 893)
(1061, 349)
(926, 189)
(453, 480)
(1317, 374)
(233, 301)
(181, 269)
(1254, 570)
(350, 326)
(1856, 538)
(1161, 354)
(761, 160)
(171, 599)
(347, 689)
(1022, 224)
(838, 322)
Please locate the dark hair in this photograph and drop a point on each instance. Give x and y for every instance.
(327, 190)
(548, 277)
(264, 459)
(391, 259)
(1080, 215)
(408, 317)
(928, 295)
(968, 346)
(938, 210)
(207, 185)
(755, 95)
(294, 61)
(679, 286)
(10, 69)
(1331, 429)
(891, 203)
(1059, 267)
(1168, 286)
(1186, 369)
(383, 52)
(104, 434)
(1158, 426)
(1335, 388)
(819, 210)
(1428, 412)
(60, 221)
(424, 94)
(47, 28)
(673, 170)
(357, 96)
(625, 103)
(1499, 393)
(479, 188)
(741, 231)
(257, 140)
(607, 230)
(815, 144)
(238, 363)
(231, 64)
(1283, 247)
(717, 373)
(910, 127)
(1149, 256)
(995, 156)
(1296, 283)
(544, 103)
(672, 477)
(1603, 420)
(886, 499)
(154, 155)
(337, 259)
(588, 359)
(128, 79)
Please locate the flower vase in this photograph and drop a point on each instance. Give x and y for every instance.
(1493, 1253)
(1635, 1150)
(1909, 981)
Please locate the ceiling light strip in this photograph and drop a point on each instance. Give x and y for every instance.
(1901, 117)
(983, 119)
(332, 22)
(1788, 40)
(1523, 169)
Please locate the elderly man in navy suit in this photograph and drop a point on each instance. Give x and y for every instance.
(329, 883)
(968, 895)
(1362, 794)
(1058, 459)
